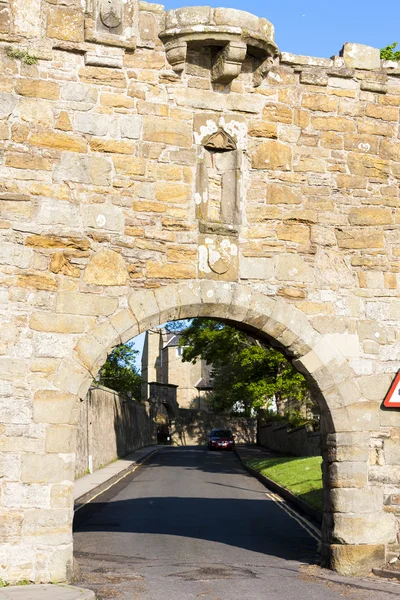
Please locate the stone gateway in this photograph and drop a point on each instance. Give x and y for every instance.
(157, 166)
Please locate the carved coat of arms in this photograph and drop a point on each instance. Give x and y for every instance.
(111, 13)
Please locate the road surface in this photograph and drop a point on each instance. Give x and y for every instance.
(193, 524)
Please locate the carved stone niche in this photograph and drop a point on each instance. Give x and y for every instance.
(218, 184)
(231, 34)
(112, 22)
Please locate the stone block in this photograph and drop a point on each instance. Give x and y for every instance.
(145, 308)
(61, 439)
(256, 268)
(55, 406)
(356, 560)
(348, 475)
(359, 56)
(374, 387)
(20, 495)
(130, 127)
(104, 216)
(65, 23)
(370, 216)
(372, 528)
(39, 112)
(106, 267)
(38, 88)
(272, 155)
(11, 527)
(356, 239)
(46, 468)
(91, 123)
(356, 501)
(73, 378)
(62, 495)
(15, 255)
(283, 194)
(200, 99)
(79, 92)
(58, 141)
(90, 353)
(167, 131)
(76, 303)
(340, 124)
(293, 267)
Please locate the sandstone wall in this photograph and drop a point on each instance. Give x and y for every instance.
(109, 427)
(176, 165)
(300, 441)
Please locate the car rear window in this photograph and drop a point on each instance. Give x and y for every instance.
(222, 433)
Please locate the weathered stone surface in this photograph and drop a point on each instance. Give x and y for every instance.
(167, 131)
(123, 182)
(37, 88)
(272, 155)
(7, 104)
(293, 268)
(358, 56)
(75, 303)
(106, 268)
(104, 216)
(53, 406)
(92, 123)
(83, 169)
(65, 23)
(358, 560)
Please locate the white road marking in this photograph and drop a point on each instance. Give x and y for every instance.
(302, 521)
(115, 482)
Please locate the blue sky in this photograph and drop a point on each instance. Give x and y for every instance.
(320, 28)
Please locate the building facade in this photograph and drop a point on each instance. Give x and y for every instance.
(162, 364)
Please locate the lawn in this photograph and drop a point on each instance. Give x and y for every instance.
(301, 476)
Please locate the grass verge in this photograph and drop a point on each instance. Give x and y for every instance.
(301, 476)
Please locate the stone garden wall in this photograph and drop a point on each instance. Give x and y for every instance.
(169, 165)
(109, 427)
(300, 441)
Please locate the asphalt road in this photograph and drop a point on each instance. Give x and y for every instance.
(193, 524)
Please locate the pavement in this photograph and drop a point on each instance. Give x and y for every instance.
(89, 485)
(86, 488)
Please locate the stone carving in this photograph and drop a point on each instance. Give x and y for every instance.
(218, 173)
(111, 13)
(234, 33)
(228, 63)
(112, 22)
(218, 255)
(220, 141)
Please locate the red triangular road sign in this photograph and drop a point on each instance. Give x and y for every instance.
(392, 398)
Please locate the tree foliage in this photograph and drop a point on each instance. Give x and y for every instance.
(119, 372)
(389, 52)
(246, 373)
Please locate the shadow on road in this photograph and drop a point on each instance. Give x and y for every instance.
(250, 521)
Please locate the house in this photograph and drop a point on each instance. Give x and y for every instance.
(162, 365)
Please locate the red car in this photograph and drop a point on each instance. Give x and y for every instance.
(221, 439)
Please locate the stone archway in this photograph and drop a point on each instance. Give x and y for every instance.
(355, 528)
(267, 195)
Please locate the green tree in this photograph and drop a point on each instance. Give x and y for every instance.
(246, 373)
(389, 52)
(120, 373)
